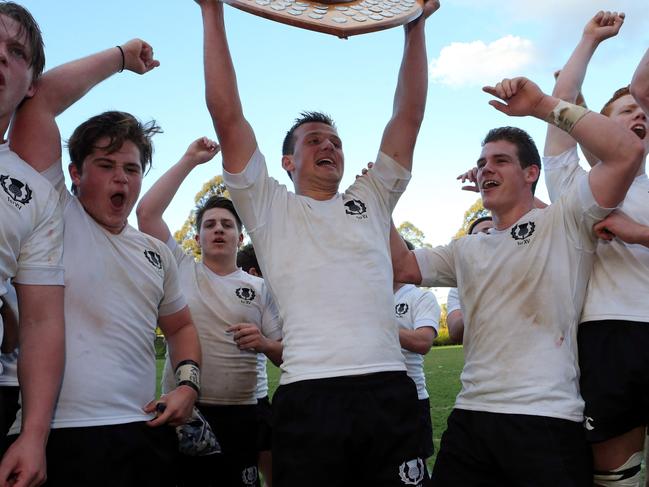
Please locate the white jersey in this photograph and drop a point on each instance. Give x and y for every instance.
(522, 290)
(415, 308)
(9, 361)
(262, 377)
(229, 375)
(453, 301)
(31, 228)
(116, 287)
(619, 283)
(328, 265)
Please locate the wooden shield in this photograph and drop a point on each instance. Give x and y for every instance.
(339, 19)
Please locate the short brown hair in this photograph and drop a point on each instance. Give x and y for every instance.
(606, 109)
(29, 27)
(118, 127)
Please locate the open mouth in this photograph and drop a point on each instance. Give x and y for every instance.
(118, 200)
(325, 162)
(640, 130)
(490, 183)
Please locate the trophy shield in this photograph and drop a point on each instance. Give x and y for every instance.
(341, 19)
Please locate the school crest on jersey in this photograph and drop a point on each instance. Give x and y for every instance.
(19, 193)
(522, 232)
(356, 208)
(154, 258)
(401, 309)
(249, 475)
(412, 472)
(245, 294)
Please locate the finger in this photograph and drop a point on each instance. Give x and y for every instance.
(508, 88)
(501, 107)
(150, 407)
(473, 188)
(489, 89)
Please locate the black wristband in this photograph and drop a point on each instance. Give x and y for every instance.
(123, 58)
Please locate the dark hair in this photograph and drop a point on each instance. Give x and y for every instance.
(606, 109)
(476, 222)
(246, 258)
(32, 32)
(409, 244)
(216, 202)
(528, 154)
(118, 127)
(288, 146)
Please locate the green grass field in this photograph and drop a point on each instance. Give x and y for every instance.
(442, 366)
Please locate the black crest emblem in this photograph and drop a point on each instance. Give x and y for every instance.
(154, 258)
(523, 231)
(401, 309)
(355, 207)
(16, 189)
(245, 293)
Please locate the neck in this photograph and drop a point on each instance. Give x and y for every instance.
(506, 218)
(222, 267)
(317, 192)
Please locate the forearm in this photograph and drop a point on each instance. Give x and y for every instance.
(156, 200)
(455, 324)
(416, 341)
(404, 263)
(184, 345)
(570, 80)
(221, 92)
(640, 83)
(9, 328)
(41, 358)
(273, 350)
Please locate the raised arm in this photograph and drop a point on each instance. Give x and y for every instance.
(221, 93)
(640, 83)
(401, 132)
(568, 85)
(61, 87)
(618, 149)
(154, 203)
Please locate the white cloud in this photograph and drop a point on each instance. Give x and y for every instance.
(477, 64)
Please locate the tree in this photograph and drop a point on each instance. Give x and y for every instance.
(186, 235)
(475, 211)
(412, 234)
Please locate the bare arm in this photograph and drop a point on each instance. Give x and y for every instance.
(419, 340)
(455, 323)
(233, 131)
(154, 203)
(619, 224)
(40, 369)
(9, 327)
(618, 149)
(182, 340)
(401, 132)
(640, 83)
(568, 85)
(61, 87)
(404, 264)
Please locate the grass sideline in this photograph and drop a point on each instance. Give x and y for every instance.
(442, 366)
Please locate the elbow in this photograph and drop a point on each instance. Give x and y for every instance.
(640, 93)
(142, 213)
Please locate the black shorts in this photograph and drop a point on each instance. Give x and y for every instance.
(264, 418)
(494, 450)
(128, 455)
(426, 429)
(8, 409)
(235, 428)
(614, 363)
(342, 431)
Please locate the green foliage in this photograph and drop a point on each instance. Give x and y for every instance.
(413, 234)
(475, 211)
(442, 339)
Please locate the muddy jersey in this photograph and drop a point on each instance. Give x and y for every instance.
(116, 287)
(522, 290)
(619, 283)
(228, 374)
(328, 266)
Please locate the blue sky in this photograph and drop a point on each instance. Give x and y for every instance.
(284, 70)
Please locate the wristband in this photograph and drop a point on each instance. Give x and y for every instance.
(121, 51)
(188, 374)
(566, 115)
